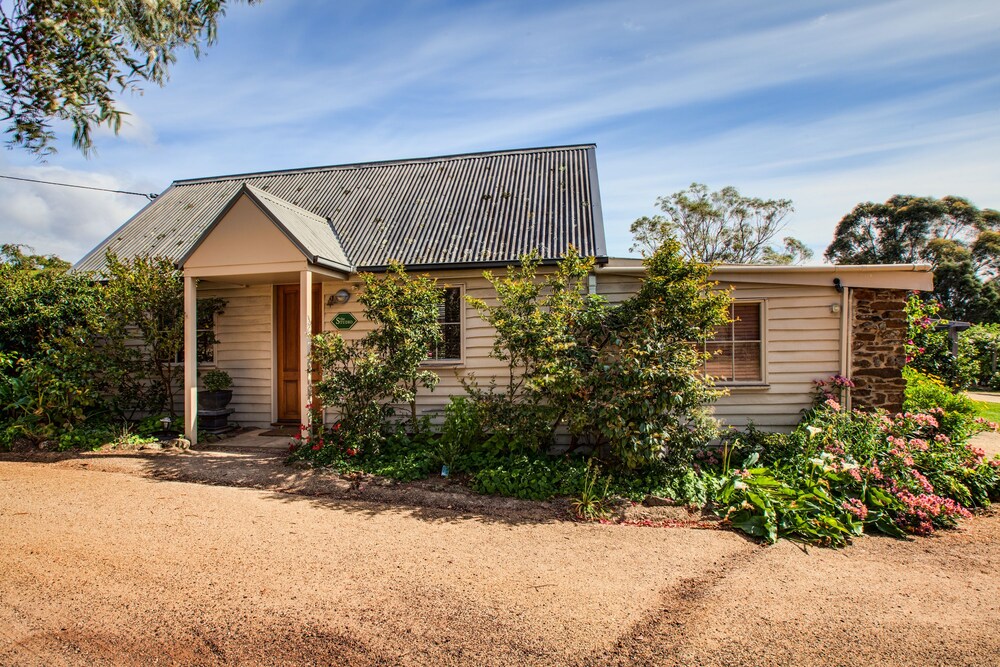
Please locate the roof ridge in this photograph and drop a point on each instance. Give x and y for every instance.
(380, 163)
(280, 201)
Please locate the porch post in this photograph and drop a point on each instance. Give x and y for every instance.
(191, 359)
(305, 348)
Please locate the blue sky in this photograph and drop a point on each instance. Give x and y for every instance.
(826, 103)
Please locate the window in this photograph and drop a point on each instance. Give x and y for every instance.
(206, 336)
(207, 310)
(737, 348)
(450, 317)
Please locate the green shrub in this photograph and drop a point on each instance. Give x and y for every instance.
(531, 477)
(980, 344)
(402, 456)
(216, 380)
(624, 379)
(144, 299)
(925, 393)
(683, 485)
(51, 393)
(459, 434)
(770, 447)
(87, 438)
(359, 377)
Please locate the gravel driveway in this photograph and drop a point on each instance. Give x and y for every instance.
(103, 561)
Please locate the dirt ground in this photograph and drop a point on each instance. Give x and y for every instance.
(123, 559)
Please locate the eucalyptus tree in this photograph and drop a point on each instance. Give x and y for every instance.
(66, 60)
(722, 226)
(958, 239)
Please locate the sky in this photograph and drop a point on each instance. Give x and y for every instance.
(828, 104)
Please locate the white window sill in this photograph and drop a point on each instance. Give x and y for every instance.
(443, 363)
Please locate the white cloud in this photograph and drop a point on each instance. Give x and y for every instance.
(60, 220)
(284, 89)
(825, 166)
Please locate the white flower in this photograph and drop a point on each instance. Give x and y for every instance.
(814, 431)
(739, 485)
(816, 462)
(848, 465)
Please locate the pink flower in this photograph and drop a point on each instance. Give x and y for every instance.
(832, 404)
(855, 507)
(922, 481)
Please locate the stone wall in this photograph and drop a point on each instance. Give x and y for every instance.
(878, 327)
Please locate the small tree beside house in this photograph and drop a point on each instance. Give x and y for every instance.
(361, 377)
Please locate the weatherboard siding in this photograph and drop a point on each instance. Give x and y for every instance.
(802, 341)
(477, 344)
(802, 344)
(245, 350)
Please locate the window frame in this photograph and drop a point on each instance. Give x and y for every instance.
(179, 361)
(460, 360)
(762, 341)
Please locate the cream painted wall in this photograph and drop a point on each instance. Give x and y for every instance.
(245, 350)
(244, 237)
(802, 345)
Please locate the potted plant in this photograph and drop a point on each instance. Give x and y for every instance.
(217, 392)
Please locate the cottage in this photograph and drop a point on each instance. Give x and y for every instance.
(283, 249)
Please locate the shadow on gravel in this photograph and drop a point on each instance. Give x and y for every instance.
(434, 506)
(432, 500)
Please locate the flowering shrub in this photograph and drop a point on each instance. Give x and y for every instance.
(399, 455)
(928, 346)
(925, 393)
(322, 447)
(833, 390)
(841, 472)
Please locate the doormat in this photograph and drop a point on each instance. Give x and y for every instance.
(282, 432)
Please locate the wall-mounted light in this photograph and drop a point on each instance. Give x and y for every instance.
(837, 286)
(339, 298)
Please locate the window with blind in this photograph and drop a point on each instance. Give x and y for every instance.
(450, 317)
(737, 348)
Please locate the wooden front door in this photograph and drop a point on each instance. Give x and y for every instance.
(286, 325)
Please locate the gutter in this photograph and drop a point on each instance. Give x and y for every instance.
(767, 268)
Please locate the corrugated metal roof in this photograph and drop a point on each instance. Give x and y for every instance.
(314, 232)
(481, 208)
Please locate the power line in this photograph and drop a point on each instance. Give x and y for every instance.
(151, 196)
